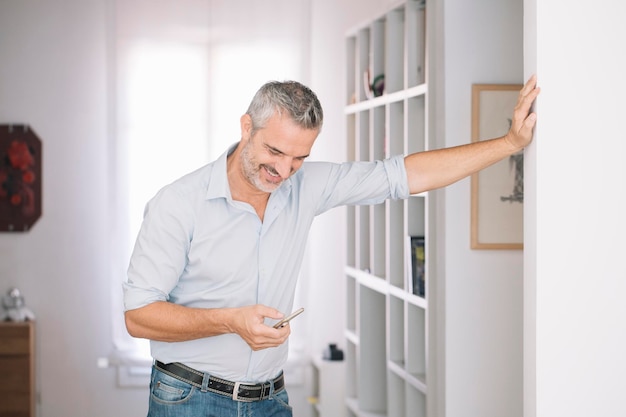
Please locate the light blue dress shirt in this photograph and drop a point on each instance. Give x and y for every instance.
(199, 248)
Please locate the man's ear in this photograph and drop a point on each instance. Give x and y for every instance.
(246, 126)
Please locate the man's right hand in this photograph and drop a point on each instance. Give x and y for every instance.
(249, 323)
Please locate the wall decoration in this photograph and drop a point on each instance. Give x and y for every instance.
(20, 178)
(498, 191)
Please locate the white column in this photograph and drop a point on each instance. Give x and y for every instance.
(575, 275)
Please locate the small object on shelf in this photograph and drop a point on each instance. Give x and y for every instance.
(15, 308)
(373, 88)
(331, 353)
(378, 85)
(418, 266)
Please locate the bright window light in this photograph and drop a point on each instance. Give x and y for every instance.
(167, 119)
(163, 131)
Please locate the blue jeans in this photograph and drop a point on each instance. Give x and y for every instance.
(170, 397)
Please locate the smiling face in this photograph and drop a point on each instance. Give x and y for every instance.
(273, 153)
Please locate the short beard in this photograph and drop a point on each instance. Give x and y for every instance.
(251, 170)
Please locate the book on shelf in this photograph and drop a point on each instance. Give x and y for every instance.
(417, 283)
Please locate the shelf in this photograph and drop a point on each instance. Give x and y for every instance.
(372, 364)
(413, 299)
(417, 301)
(387, 323)
(351, 303)
(417, 381)
(415, 339)
(395, 330)
(377, 284)
(352, 404)
(405, 398)
(385, 99)
(329, 395)
(368, 280)
(352, 381)
(393, 45)
(352, 337)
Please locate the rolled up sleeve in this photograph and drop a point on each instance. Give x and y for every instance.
(158, 258)
(396, 175)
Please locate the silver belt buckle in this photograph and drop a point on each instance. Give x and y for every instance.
(236, 391)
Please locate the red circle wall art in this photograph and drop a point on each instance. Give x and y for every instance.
(20, 178)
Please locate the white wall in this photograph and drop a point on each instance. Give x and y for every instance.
(483, 288)
(53, 77)
(575, 274)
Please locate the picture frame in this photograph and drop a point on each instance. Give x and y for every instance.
(20, 178)
(497, 192)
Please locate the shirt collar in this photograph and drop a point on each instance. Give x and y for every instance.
(218, 179)
(218, 186)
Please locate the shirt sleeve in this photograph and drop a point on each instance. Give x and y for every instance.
(158, 257)
(362, 183)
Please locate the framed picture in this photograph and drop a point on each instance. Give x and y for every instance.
(20, 178)
(497, 191)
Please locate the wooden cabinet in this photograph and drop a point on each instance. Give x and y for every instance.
(17, 369)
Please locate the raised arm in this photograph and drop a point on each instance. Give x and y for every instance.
(437, 168)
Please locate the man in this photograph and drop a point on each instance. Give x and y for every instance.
(219, 250)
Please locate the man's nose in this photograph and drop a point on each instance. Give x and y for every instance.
(284, 166)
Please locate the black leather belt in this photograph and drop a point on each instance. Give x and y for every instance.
(238, 391)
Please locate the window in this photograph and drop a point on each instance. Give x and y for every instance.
(163, 130)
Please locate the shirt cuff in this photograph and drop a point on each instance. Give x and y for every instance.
(398, 181)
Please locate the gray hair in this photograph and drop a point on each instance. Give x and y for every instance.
(294, 99)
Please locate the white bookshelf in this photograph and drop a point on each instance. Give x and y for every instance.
(387, 323)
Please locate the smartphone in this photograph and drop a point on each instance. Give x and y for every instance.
(287, 319)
